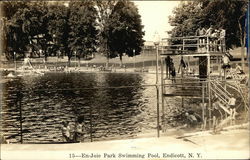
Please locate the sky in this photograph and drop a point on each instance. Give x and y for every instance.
(154, 15)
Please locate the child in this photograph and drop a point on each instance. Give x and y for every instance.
(79, 130)
(66, 131)
(173, 73)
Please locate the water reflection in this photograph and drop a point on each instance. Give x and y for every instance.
(48, 100)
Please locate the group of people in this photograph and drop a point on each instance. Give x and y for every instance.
(215, 40)
(73, 132)
(170, 68)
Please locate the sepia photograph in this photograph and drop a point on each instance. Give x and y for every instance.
(124, 79)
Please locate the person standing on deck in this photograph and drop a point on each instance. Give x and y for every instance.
(173, 74)
(215, 37)
(182, 65)
(225, 64)
(222, 40)
(209, 33)
(168, 63)
(201, 32)
(171, 67)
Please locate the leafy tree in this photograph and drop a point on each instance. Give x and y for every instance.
(22, 24)
(83, 31)
(58, 28)
(226, 14)
(9, 8)
(35, 26)
(9, 28)
(186, 19)
(104, 9)
(125, 33)
(230, 15)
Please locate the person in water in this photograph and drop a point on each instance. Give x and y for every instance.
(79, 130)
(66, 131)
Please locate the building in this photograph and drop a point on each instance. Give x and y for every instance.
(149, 47)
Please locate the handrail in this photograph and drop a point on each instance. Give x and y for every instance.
(192, 45)
(204, 36)
(223, 92)
(218, 95)
(224, 108)
(229, 94)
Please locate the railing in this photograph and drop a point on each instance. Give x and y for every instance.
(40, 101)
(221, 92)
(198, 43)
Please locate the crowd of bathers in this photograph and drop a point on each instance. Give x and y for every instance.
(212, 37)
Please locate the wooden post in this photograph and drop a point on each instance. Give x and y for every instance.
(21, 120)
(203, 104)
(157, 63)
(219, 62)
(209, 90)
(182, 99)
(91, 130)
(207, 44)
(157, 90)
(214, 123)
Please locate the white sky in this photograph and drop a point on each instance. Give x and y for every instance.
(154, 15)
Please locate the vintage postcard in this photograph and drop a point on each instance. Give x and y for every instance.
(124, 79)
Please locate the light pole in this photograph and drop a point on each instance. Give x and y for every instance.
(156, 43)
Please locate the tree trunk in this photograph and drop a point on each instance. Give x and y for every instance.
(45, 55)
(120, 55)
(107, 62)
(69, 61)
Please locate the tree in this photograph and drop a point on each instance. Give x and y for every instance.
(226, 14)
(58, 28)
(9, 8)
(125, 35)
(9, 28)
(186, 19)
(104, 9)
(230, 15)
(35, 26)
(23, 23)
(83, 28)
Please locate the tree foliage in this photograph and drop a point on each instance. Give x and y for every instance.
(78, 28)
(83, 32)
(104, 9)
(125, 30)
(186, 18)
(226, 14)
(58, 28)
